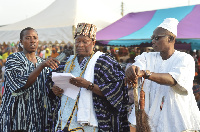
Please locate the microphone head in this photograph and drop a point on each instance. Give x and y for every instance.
(61, 57)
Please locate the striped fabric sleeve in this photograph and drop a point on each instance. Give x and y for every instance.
(109, 76)
(16, 74)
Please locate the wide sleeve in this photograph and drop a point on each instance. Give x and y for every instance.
(140, 61)
(183, 71)
(17, 72)
(109, 76)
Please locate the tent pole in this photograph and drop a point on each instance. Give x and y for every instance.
(73, 33)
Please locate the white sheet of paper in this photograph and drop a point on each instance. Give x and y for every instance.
(62, 80)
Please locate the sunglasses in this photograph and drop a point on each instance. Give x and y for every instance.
(157, 37)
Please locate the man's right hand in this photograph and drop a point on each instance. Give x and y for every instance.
(132, 74)
(51, 62)
(57, 91)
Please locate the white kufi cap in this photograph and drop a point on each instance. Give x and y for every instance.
(170, 24)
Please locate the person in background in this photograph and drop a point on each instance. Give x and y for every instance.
(26, 102)
(47, 53)
(43, 51)
(130, 60)
(101, 104)
(61, 49)
(113, 52)
(6, 54)
(196, 91)
(169, 74)
(39, 52)
(54, 53)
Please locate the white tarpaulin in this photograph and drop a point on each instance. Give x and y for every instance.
(56, 22)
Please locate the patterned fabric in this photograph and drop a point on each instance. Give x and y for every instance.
(111, 110)
(67, 115)
(55, 104)
(24, 109)
(86, 29)
(83, 62)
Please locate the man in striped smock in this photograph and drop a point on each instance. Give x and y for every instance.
(101, 104)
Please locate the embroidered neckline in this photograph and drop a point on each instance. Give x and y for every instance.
(70, 69)
(71, 66)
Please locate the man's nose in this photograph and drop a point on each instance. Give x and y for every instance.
(33, 40)
(153, 41)
(81, 43)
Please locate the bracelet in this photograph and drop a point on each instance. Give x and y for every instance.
(91, 86)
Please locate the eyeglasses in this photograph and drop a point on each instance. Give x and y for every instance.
(157, 37)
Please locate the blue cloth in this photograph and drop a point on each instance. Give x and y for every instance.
(111, 110)
(24, 109)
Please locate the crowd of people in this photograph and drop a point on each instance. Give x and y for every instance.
(106, 77)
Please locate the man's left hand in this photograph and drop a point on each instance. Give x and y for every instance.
(80, 82)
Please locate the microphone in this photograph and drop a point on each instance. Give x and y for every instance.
(64, 54)
(61, 57)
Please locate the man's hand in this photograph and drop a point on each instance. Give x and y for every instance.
(132, 74)
(57, 91)
(80, 82)
(51, 62)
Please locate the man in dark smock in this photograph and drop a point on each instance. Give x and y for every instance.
(109, 95)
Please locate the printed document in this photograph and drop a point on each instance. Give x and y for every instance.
(62, 81)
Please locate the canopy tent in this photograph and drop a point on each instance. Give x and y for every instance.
(137, 28)
(56, 22)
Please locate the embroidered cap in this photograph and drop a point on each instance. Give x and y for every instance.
(86, 29)
(196, 89)
(170, 24)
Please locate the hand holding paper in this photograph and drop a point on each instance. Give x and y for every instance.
(62, 80)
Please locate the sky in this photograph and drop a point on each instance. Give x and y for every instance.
(12, 11)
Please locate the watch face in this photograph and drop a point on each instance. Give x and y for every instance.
(148, 73)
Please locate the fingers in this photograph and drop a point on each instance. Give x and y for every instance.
(137, 71)
(75, 82)
(58, 62)
(131, 73)
(52, 63)
(57, 91)
(79, 82)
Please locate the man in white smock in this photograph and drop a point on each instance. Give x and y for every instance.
(169, 100)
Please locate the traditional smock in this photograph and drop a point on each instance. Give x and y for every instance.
(24, 109)
(111, 110)
(170, 108)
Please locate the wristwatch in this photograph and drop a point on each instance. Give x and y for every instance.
(147, 74)
(91, 86)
